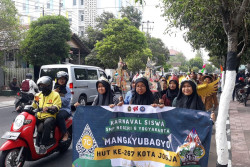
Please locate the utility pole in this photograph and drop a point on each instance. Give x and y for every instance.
(59, 7)
(43, 9)
(148, 28)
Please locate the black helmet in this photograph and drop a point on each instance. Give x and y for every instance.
(61, 74)
(47, 85)
(28, 76)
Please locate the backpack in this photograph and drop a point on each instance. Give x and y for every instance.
(25, 85)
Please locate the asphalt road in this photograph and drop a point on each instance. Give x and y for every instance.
(54, 160)
(65, 160)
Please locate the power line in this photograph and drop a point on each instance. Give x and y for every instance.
(148, 26)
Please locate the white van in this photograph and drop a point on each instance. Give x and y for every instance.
(82, 79)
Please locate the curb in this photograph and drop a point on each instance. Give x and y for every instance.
(229, 142)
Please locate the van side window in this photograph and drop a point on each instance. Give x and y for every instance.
(92, 75)
(80, 74)
(102, 74)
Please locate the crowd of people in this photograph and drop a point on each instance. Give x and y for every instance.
(172, 93)
(54, 102)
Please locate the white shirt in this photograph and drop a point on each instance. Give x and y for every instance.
(32, 86)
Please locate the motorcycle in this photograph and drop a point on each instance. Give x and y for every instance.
(239, 90)
(23, 99)
(246, 93)
(20, 145)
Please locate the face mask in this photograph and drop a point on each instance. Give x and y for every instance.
(45, 90)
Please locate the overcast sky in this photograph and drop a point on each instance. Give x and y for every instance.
(153, 14)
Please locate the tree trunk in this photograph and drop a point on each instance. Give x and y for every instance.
(220, 136)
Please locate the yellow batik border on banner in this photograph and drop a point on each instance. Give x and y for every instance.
(138, 154)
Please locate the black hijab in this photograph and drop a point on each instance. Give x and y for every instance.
(144, 99)
(107, 98)
(192, 101)
(62, 88)
(171, 94)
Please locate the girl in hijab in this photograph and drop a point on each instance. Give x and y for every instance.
(171, 92)
(142, 94)
(105, 96)
(188, 97)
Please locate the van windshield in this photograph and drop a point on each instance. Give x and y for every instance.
(51, 72)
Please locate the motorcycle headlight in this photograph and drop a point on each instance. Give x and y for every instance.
(18, 123)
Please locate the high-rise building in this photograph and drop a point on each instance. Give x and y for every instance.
(81, 13)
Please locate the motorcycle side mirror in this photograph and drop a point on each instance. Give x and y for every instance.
(28, 108)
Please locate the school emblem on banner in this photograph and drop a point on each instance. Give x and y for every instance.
(192, 150)
(86, 144)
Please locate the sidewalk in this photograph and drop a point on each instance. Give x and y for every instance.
(239, 117)
(6, 101)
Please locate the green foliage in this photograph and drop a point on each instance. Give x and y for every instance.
(103, 20)
(96, 34)
(93, 35)
(46, 41)
(195, 69)
(204, 21)
(216, 61)
(178, 58)
(167, 66)
(133, 14)
(138, 60)
(92, 60)
(183, 68)
(121, 40)
(195, 62)
(159, 50)
(209, 68)
(10, 33)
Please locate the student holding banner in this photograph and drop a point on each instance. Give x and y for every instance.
(142, 95)
(188, 97)
(105, 96)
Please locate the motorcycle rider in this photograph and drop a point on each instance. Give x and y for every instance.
(29, 89)
(33, 89)
(62, 78)
(49, 103)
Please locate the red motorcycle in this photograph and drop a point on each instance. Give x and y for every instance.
(20, 144)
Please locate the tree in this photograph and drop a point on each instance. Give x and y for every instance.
(209, 68)
(95, 34)
(103, 20)
(178, 58)
(230, 20)
(46, 40)
(121, 40)
(183, 68)
(159, 51)
(92, 60)
(138, 61)
(10, 32)
(195, 69)
(195, 62)
(133, 14)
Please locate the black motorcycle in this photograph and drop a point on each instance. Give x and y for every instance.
(23, 99)
(239, 91)
(246, 93)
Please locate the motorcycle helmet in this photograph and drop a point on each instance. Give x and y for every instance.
(241, 79)
(61, 74)
(28, 76)
(45, 85)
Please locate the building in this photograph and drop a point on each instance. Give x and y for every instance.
(81, 13)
